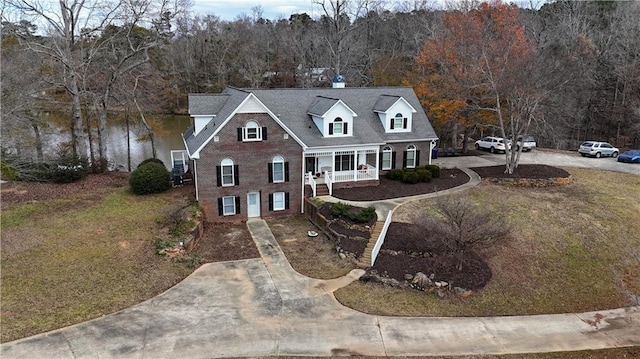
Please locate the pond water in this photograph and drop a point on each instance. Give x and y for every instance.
(168, 136)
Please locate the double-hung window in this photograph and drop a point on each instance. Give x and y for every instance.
(278, 201)
(226, 172)
(228, 205)
(410, 157)
(278, 170)
(338, 127)
(387, 162)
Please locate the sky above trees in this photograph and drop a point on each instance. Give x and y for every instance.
(275, 9)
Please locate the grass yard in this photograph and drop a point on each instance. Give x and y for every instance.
(573, 249)
(80, 256)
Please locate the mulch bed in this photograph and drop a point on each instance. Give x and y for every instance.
(408, 250)
(523, 171)
(388, 189)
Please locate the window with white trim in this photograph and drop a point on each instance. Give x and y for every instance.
(278, 201)
(228, 205)
(227, 172)
(344, 162)
(386, 158)
(399, 122)
(338, 127)
(278, 169)
(251, 132)
(410, 159)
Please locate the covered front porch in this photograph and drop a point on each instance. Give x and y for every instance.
(330, 167)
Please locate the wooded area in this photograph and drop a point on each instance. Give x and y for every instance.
(565, 72)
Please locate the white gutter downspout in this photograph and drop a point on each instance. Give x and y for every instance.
(303, 184)
(195, 178)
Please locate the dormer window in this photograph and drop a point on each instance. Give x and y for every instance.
(395, 113)
(252, 132)
(338, 127)
(399, 122)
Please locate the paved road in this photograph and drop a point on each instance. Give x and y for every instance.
(552, 158)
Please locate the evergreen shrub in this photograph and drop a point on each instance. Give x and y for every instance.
(151, 177)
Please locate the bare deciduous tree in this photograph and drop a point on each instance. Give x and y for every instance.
(463, 227)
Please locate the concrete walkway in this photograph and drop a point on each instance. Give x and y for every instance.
(262, 307)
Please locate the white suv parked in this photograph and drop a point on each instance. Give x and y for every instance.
(493, 144)
(527, 142)
(598, 149)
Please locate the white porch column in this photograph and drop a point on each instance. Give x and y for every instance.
(333, 165)
(377, 164)
(356, 160)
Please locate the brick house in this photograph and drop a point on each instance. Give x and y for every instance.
(258, 152)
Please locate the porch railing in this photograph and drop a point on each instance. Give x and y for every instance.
(312, 182)
(328, 181)
(369, 172)
(380, 241)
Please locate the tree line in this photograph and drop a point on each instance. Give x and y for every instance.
(565, 72)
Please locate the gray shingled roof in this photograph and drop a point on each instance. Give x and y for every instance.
(320, 105)
(220, 105)
(384, 102)
(292, 106)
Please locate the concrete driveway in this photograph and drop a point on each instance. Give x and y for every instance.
(262, 307)
(546, 157)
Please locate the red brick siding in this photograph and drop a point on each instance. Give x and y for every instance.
(252, 159)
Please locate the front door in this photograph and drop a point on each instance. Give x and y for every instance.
(310, 165)
(253, 204)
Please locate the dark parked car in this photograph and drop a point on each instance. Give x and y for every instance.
(631, 156)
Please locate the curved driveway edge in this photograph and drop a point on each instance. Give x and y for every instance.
(262, 307)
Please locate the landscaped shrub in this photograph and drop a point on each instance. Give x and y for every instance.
(151, 160)
(394, 175)
(67, 167)
(410, 176)
(424, 174)
(434, 169)
(339, 209)
(69, 170)
(7, 172)
(365, 215)
(150, 178)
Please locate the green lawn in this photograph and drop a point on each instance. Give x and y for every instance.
(65, 261)
(571, 248)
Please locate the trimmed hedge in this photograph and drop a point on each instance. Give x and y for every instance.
(340, 209)
(151, 177)
(434, 169)
(151, 160)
